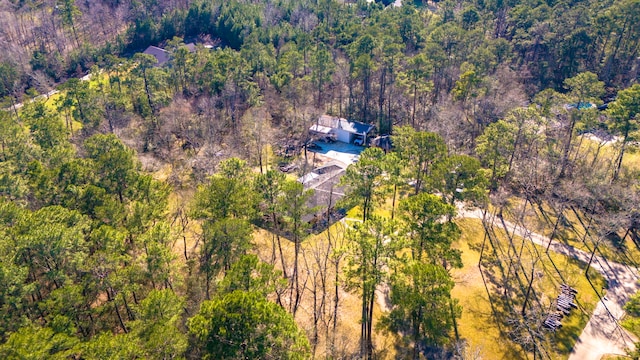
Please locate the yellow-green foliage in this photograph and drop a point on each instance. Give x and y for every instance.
(606, 154)
(632, 324)
(615, 357)
(632, 320)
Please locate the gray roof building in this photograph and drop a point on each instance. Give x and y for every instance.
(161, 55)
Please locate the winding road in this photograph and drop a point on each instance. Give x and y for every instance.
(602, 334)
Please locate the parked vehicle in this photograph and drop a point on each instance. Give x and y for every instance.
(327, 139)
(313, 146)
(288, 167)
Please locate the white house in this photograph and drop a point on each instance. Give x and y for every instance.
(342, 129)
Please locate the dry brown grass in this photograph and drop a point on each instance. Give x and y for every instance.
(346, 336)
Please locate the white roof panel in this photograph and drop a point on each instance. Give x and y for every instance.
(320, 129)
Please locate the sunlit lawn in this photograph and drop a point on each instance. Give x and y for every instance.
(608, 154)
(572, 229)
(478, 324)
(51, 104)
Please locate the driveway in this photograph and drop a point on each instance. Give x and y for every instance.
(346, 154)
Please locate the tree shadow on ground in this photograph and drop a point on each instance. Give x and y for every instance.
(565, 338)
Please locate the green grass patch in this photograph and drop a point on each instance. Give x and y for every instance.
(102, 79)
(477, 324)
(572, 230)
(631, 320)
(51, 105)
(483, 322)
(632, 324)
(602, 157)
(615, 357)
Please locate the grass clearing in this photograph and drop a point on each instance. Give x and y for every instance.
(631, 320)
(479, 324)
(572, 230)
(50, 104)
(632, 324)
(607, 154)
(483, 314)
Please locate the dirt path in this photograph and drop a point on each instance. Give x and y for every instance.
(601, 335)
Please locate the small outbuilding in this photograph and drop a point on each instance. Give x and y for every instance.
(342, 129)
(383, 142)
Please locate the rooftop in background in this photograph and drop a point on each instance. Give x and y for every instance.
(161, 55)
(335, 128)
(580, 106)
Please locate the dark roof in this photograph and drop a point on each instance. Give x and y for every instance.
(361, 127)
(161, 55)
(383, 142)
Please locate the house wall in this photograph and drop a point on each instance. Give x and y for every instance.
(343, 136)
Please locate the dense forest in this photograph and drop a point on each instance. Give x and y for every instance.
(144, 213)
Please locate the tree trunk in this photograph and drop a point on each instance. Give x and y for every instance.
(13, 105)
(184, 222)
(115, 306)
(284, 266)
(370, 325)
(619, 160)
(147, 91)
(381, 98)
(207, 285)
(453, 318)
(295, 283)
(127, 308)
(75, 34)
(567, 146)
(393, 201)
(363, 327)
(416, 335)
(413, 109)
